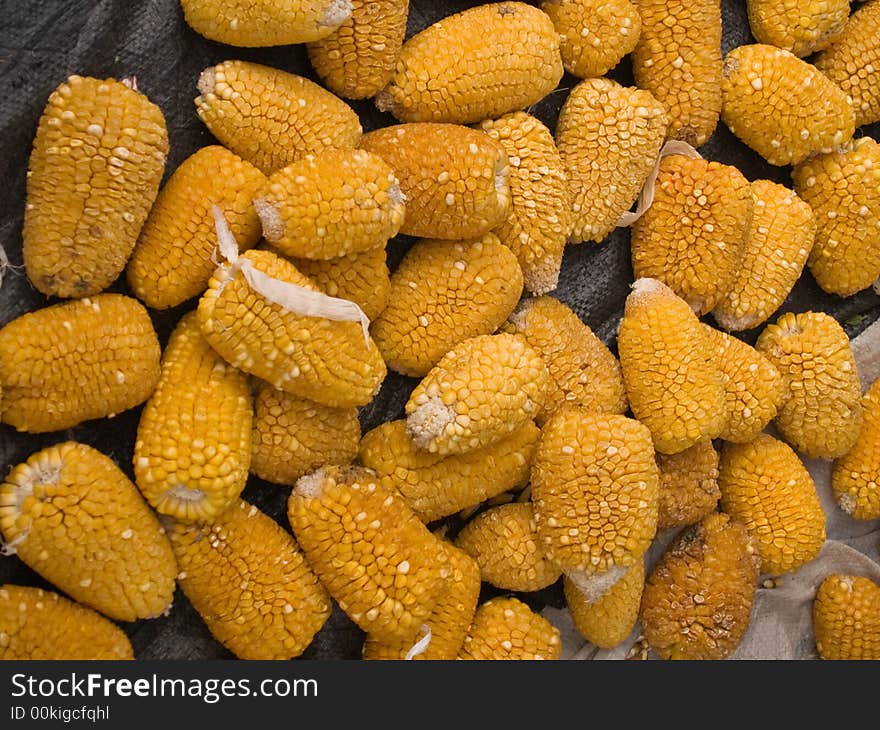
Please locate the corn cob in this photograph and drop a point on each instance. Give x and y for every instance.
(582, 369)
(609, 137)
(697, 601)
(843, 189)
(477, 64)
(272, 118)
(777, 246)
(781, 106)
(435, 486)
(258, 23)
(357, 59)
(822, 415)
(609, 620)
(370, 551)
(799, 27)
(678, 59)
(505, 543)
(688, 485)
(507, 629)
(694, 235)
(94, 172)
(293, 436)
(76, 519)
(37, 624)
(846, 618)
(172, 260)
(673, 383)
(442, 294)
(193, 446)
(478, 393)
(455, 179)
(538, 224)
(855, 479)
(76, 361)
(332, 204)
(311, 357)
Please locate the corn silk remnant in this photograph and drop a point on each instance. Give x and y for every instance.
(846, 618)
(797, 26)
(507, 629)
(855, 479)
(688, 485)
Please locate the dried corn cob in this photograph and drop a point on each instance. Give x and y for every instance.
(673, 383)
(478, 393)
(800, 27)
(172, 260)
(370, 551)
(477, 64)
(777, 246)
(843, 189)
(846, 618)
(435, 486)
(94, 172)
(507, 629)
(38, 624)
(822, 415)
(688, 485)
(678, 59)
(698, 599)
(193, 446)
(444, 293)
(272, 118)
(455, 179)
(293, 436)
(540, 211)
(76, 361)
(693, 237)
(609, 137)
(781, 106)
(855, 479)
(76, 519)
(582, 369)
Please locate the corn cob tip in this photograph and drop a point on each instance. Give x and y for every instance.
(642, 288)
(592, 586)
(338, 11)
(270, 219)
(428, 421)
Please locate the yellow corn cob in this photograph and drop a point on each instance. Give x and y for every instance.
(540, 211)
(272, 118)
(477, 64)
(331, 204)
(76, 361)
(455, 179)
(688, 485)
(193, 446)
(293, 436)
(797, 26)
(765, 486)
(779, 241)
(449, 621)
(94, 172)
(435, 486)
(843, 189)
(609, 620)
(609, 137)
(595, 486)
(442, 294)
(697, 601)
(693, 237)
(855, 479)
(37, 624)
(311, 357)
(673, 383)
(678, 59)
(852, 62)
(172, 260)
(357, 59)
(507, 629)
(582, 369)
(257, 23)
(822, 415)
(846, 618)
(781, 106)
(370, 551)
(505, 543)
(76, 519)
(594, 35)
(478, 393)
(753, 387)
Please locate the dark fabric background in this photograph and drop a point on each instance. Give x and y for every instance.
(44, 41)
